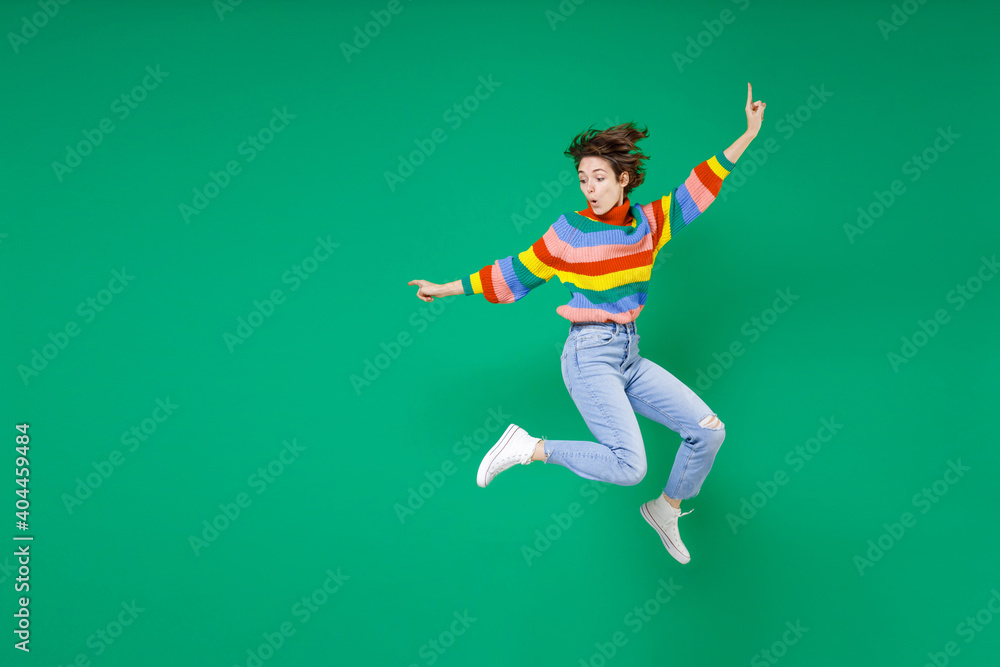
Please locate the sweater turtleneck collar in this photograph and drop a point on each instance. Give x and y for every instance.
(618, 215)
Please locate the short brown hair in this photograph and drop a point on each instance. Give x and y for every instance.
(616, 145)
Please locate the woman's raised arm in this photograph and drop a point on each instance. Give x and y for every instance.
(755, 114)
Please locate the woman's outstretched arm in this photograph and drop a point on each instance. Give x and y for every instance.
(428, 290)
(755, 114)
(504, 281)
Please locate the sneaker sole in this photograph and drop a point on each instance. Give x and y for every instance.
(493, 454)
(671, 549)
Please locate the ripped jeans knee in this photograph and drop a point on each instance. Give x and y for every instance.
(712, 422)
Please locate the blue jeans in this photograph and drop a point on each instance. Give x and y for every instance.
(610, 382)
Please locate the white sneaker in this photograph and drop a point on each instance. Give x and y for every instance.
(514, 446)
(663, 516)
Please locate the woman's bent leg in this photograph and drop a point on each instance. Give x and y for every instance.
(656, 394)
(595, 382)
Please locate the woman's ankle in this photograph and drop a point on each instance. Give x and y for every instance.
(539, 454)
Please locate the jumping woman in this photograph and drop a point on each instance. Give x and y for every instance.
(605, 255)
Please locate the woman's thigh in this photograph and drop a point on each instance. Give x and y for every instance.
(655, 393)
(591, 371)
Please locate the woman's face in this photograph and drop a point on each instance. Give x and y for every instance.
(598, 184)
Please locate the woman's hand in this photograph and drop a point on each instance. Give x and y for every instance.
(755, 112)
(428, 290)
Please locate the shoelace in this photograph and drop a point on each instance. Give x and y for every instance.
(683, 513)
(504, 463)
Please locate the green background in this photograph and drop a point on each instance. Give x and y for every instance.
(365, 448)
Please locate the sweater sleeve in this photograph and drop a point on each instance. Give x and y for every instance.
(510, 279)
(677, 210)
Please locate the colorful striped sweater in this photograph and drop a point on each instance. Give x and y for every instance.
(605, 260)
